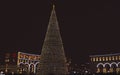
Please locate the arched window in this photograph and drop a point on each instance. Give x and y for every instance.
(27, 68)
(107, 67)
(100, 67)
(118, 68)
(32, 68)
(36, 67)
(113, 66)
(22, 68)
(119, 64)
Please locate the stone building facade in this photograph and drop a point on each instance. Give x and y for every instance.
(19, 62)
(107, 63)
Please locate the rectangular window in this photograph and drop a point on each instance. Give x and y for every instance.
(106, 58)
(109, 58)
(103, 58)
(116, 57)
(113, 58)
(96, 58)
(100, 58)
(93, 59)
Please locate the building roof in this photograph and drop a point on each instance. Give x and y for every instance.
(29, 54)
(105, 55)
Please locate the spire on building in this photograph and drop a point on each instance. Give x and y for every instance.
(53, 60)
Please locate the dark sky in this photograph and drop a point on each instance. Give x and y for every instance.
(87, 27)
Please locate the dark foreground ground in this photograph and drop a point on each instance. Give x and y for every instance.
(70, 74)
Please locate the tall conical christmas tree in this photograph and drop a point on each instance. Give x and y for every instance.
(53, 60)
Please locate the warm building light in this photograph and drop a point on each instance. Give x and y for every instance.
(106, 59)
(113, 58)
(108, 63)
(96, 58)
(103, 58)
(104, 70)
(93, 59)
(116, 57)
(119, 57)
(98, 70)
(100, 59)
(109, 58)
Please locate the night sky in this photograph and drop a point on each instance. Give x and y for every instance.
(87, 27)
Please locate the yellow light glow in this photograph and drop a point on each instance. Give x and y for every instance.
(113, 58)
(93, 59)
(109, 58)
(100, 59)
(106, 58)
(103, 58)
(96, 58)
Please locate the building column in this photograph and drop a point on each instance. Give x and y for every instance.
(28, 68)
(35, 68)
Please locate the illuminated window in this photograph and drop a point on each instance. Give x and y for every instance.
(113, 58)
(29, 57)
(109, 58)
(106, 58)
(21, 56)
(104, 70)
(26, 56)
(93, 59)
(100, 59)
(111, 69)
(103, 58)
(116, 57)
(117, 70)
(98, 70)
(32, 68)
(96, 58)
